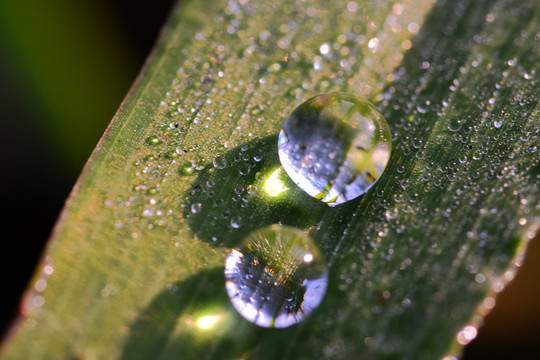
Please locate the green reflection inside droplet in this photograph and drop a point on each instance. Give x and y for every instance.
(335, 147)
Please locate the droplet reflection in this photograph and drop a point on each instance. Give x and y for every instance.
(334, 147)
(276, 277)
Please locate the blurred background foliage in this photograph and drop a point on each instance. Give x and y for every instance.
(65, 67)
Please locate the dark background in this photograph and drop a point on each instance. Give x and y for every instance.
(65, 67)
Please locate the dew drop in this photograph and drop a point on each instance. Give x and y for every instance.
(324, 49)
(236, 223)
(153, 140)
(455, 124)
(335, 147)
(244, 169)
(258, 157)
(186, 169)
(220, 162)
(477, 155)
(195, 208)
(276, 277)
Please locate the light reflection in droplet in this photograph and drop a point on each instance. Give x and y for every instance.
(373, 45)
(335, 147)
(324, 49)
(308, 258)
(276, 277)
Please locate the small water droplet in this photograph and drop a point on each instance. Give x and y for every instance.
(258, 157)
(276, 277)
(467, 334)
(220, 162)
(335, 147)
(244, 169)
(455, 124)
(199, 165)
(149, 157)
(195, 208)
(153, 140)
(236, 223)
(259, 176)
(186, 169)
(391, 214)
(406, 302)
(324, 49)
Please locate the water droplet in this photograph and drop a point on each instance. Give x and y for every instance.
(149, 157)
(477, 155)
(258, 157)
(276, 277)
(455, 124)
(186, 169)
(467, 334)
(236, 223)
(199, 165)
(220, 162)
(153, 140)
(391, 214)
(244, 169)
(195, 208)
(335, 147)
(324, 49)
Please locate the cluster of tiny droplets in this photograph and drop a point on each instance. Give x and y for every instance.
(206, 97)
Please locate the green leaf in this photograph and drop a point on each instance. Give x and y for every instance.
(184, 173)
(66, 51)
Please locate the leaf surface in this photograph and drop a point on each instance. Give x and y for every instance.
(135, 265)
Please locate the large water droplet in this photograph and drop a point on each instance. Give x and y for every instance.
(276, 277)
(335, 146)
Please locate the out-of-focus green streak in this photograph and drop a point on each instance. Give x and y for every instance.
(52, 40)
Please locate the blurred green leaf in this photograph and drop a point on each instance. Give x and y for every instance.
(133, 272)
(73, 63)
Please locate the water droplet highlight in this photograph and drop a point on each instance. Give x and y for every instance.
(196, 208)
(276, 277)
(455, 124)
(335, 147)
(153, 140)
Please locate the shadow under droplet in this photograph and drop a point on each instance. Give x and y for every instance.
(231, 196)
(192, 319)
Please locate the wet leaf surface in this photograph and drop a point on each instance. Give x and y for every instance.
(189, 167)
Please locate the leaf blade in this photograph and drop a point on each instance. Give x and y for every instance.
(390, 275)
